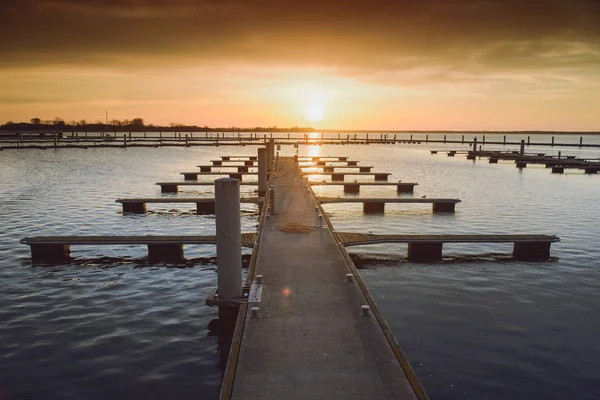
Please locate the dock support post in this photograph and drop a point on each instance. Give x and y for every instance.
(533, 251)
(205, 168)
(262, 172)
(522, 148)
(327, 168)
(425, 252)
(351, 188)
(493, 160)
(443, 207)
(205, 208)
(249, 163)
(237, 176)
(217, 163)
(229, 248)
(165, 252)
(352, 163)
(364, 169)
(552, 142)
(558, 170)
(134, 208)
(337, 177)
(242, 168)
(475, 144)
(373, 207)
(381, 177)
(190, 177)
(50, 252)
(521, 164)
(580, 141)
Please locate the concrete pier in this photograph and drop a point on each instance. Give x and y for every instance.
(310, 338)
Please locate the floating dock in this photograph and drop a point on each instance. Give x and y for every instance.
(173, 187)
(377, 205)
(203, 205)
(160, 248)
(354, 187)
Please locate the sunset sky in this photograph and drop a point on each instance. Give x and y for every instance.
(427, 64)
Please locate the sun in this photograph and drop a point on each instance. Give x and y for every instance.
(314, 110)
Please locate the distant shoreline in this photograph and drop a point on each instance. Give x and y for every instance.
(51, 130)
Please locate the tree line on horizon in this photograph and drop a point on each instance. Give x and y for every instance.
(129, 125)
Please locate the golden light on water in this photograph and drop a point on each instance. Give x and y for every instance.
(313, 150)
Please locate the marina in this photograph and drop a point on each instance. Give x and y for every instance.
(346, 238)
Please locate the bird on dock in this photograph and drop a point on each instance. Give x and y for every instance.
(356, 180)
(423, 196)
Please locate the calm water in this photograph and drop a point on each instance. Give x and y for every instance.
(109, 325)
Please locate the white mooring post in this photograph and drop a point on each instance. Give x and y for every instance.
(262, 172)
(229, 240)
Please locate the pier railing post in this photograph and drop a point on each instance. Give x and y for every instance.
(262, 172)
(270, 153)
(272, 199)
(228, 235)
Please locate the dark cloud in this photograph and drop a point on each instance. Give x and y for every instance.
(353, 36)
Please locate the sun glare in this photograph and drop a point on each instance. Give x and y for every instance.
(314, 110)
(313, 150)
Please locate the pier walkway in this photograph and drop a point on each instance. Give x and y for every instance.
(311, 339)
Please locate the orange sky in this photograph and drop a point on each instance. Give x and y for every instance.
(429, 64)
